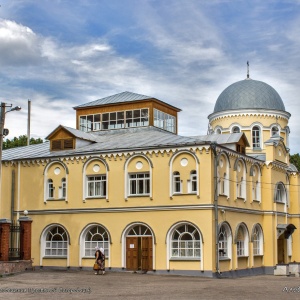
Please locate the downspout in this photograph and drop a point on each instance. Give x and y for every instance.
(12, 208)
(213, 147)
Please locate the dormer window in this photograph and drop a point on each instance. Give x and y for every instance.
(62, 144)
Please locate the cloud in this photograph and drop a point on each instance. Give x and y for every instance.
(19, 45)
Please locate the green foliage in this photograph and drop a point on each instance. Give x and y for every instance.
(20, 141)
(295, 160)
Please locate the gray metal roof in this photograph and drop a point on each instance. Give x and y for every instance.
(77, 133)
(247, 94)
(117, 98)
(132, 139)
(120, 98)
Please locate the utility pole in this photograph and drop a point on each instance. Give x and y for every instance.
(2, 122)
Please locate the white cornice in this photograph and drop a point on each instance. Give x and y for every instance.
(249, 112)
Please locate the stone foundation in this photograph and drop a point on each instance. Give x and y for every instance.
(12, 267)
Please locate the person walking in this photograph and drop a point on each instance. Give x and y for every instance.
(100, 260)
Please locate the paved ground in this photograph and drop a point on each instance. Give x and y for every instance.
(85, 285)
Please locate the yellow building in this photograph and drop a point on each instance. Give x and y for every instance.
(223, 204)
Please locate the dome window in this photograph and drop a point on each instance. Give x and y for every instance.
(236, 129)
(274, 130)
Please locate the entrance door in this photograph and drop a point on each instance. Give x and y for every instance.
(139, 253)
(280, 249)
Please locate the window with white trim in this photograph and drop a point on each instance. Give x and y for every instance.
(256, 137)
(176, 182)
(223, 242)
(139, 184)
(193, 182)
(274, 130)
(280, 193)
(185, 242)
(56, 243)
(240, 242)
(236, 129)
(96, 186)
(63, 189)
(240, 180)
(257, 241)
(50, 189)
(96, 236)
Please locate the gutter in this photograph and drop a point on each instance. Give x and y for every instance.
(213, 147)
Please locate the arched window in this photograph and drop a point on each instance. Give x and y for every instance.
(275, 130)
(96, 236)
(176, 182)
(256, 137)
(185, 242)
(242, 240)
(218, 131)
(257, 239)
(241, 180)
(50, 189)
(224, 241)
(236, 129)
(280, 193)
(223, 170)
(56, 243)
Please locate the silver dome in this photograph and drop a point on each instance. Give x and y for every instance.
(249, 94)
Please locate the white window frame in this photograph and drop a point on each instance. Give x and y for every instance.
(177, 184)
(193, 182)
(274, 131)
(50, 189)
(56, 248)
(241, 191)
(185, 249)
(164, 121)
(235, 129)
(280, 193)
(257, 239)
(95, 236)
(256, 137)
(145, 180)
(94, 181)
(242, 248)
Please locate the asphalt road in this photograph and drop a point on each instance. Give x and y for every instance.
(43, 284)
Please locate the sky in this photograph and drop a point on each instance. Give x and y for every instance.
(59, 54)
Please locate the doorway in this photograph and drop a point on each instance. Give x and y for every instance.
(280, 250)
(139, 248)
(139, 253)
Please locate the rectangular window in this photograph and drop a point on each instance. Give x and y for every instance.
(56, 248)
(90, 122)
(139, 184)
(50, 189)
(164, 121)
(96, 186)
(114, 120)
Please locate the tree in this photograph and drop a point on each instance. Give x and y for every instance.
(295, 160)
(20, 141)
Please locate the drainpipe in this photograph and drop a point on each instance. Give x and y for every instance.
(213, 147)
(12, 195)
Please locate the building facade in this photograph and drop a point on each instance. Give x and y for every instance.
(222, 204)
